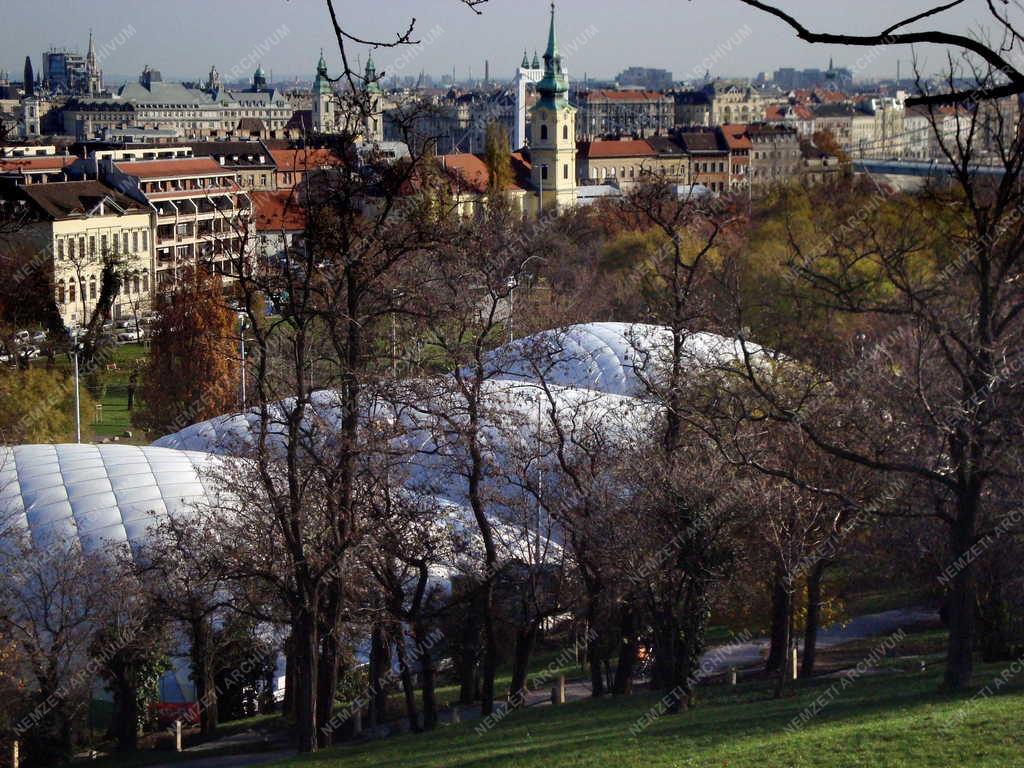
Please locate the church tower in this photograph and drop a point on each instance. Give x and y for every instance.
(373, 131)
(93, 73)
(553, 127)
(324, 106)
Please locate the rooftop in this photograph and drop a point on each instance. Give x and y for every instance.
(162, 169)
(68, 199)
(609, 149)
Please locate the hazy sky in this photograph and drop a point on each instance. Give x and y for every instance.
(182, 38)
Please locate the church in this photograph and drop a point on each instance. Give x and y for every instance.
(544, 173)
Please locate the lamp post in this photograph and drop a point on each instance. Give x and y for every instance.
(78, 411)
(241, 334)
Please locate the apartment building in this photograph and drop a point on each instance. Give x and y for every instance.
(604, 113)
(75, 229)
(202, 214)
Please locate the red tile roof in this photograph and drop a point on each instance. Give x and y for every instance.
(736, 137)
(304, 159)
(471, 171)
(163, 169)
(47, 163)
(278, 211)
(623, 95)
(609, 149)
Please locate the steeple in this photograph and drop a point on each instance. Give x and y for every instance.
(30, 80)
(322, 84)
(370, 75)
(554, 84)
(259, 79)
(90, 57)
(536, 61)
(526, 60)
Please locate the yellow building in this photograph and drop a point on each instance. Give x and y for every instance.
(77, 227)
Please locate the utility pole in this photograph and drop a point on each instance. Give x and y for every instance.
(78, 410)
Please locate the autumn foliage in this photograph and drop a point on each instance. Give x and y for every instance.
(192, 374)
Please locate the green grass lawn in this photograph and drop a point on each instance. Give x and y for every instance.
(888, 720)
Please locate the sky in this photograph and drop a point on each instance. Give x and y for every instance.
(182, 38)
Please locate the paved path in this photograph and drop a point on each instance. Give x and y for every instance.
(717, 660)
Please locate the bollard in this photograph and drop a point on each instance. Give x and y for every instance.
(455, 716)
(924, 667)
(357, 723)
(177, 735)
(14, 755)
(794, 667)
(732, 676)
(558, 691)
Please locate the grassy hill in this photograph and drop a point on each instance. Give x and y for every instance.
(892, 719)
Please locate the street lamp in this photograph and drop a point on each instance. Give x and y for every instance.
(241, 334)
(78, 411)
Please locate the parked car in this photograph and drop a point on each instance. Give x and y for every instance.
(29, 351)
(130, 336)
(21, 337)
(39, 337)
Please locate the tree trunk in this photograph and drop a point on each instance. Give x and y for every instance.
(380, 660)
(782, 607)
(327, 685)
(427, 674)
(962, 598)
(813, 622)
(408, 687)
(783, 672)
(594, 635)
(307, 654)
(468, 656)
(203, 676)
(490, 665)
(623, 684)
(525, 638)
(127, 708)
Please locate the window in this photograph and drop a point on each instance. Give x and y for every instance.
(543, 173)
(145, 240)
(92, 245)
(565, 131)
(135, 283)
(124, 243)
(71, 291)
(71, 247)
(60, 292)
(81, 247)
(565, 171)
(145, 280)
(60, 249)
(92, 287)
(135, 242)
(543, 132)
(103, 244)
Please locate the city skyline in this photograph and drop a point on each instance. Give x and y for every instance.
(285, 38)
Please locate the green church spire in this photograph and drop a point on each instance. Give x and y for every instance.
(554, 85)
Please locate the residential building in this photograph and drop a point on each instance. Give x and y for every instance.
(293, 164)
(35, 170)
(737, 140)
(774, 153)
(710, 161)
(80, 227)
(470, 183)
(604, 113)
(202, 214)
(250, 161)
(623, 162)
